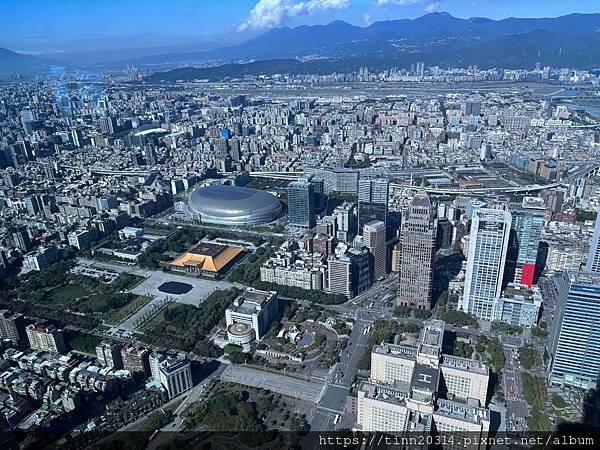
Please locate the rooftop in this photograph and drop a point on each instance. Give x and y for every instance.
(462, 411)
(469, 365)
(425, 378)
(251, 301)
(208, 257)
(384, 393)
(399, 351)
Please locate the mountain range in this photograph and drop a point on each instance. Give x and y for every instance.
(12, 62)
(436, 39)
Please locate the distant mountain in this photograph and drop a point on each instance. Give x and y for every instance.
(432, 38)
(12, 62)
(520, 50)
(435, 39)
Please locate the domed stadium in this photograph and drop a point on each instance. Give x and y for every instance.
(233, 205)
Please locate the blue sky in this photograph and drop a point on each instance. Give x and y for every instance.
(66, 25)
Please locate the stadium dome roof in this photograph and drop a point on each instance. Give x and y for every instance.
(233, 205)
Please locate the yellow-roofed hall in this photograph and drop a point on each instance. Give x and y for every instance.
(207, 258)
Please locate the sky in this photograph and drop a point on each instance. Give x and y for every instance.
(62, 26)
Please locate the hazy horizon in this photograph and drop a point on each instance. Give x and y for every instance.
(105, 29)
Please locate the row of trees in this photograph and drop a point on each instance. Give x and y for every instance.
(302, 294)
(407, 311)
(534, 393)
(529, 357)
(384, 331)
(458, 318)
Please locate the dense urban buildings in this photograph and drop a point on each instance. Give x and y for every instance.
(209, 241)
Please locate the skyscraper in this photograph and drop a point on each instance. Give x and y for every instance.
(488, 246)
(472, 108)
(361, 269)
(301, 204)
(339, 276)
(372, 201)
(417, 254)
(346, 221)
(12, 326)
(109, 354)
(374, 239)
(593, 261)
(527, 227)
(576, 339)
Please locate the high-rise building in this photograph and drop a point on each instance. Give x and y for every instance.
(301, 204)
(173, 372)
(575, 337)
(361, 269)
(472, 108)
(527, 227)
(109, 354)
(374, 240)
(257, 309)
(420, 71)
(339, 276)
(372, 201)
(318, 192)
(46, 338)
(21, 239)
(108, 125)
(519, 305)
(339, 180)
(12, 326)
(345, 219)
(417, 254)
(486, 258)
(593, 261)
(136, 359)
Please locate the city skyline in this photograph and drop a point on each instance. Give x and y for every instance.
(235, 224)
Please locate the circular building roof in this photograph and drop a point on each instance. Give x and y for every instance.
(239, 329)
(233, 205)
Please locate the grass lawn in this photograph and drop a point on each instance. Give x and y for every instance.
(82, 342)
(68, 293)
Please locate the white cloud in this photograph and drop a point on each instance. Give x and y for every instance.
(432, 7)
(367, 19)
(396, 2)
(272, 13)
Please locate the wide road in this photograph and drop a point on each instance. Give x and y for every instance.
(517, 408)
(335, 393)
(282, 384)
